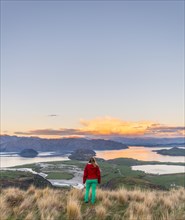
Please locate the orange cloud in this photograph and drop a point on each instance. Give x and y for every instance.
(113, 126)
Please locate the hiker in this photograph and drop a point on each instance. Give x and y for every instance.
(91, 177)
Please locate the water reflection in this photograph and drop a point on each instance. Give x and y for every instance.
(15, 160)
(139, 153)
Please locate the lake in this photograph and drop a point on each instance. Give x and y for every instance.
(146, 154)
(12, 159)
(160, 169)
(140, 153)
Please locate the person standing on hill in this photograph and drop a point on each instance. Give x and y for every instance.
(91, 177)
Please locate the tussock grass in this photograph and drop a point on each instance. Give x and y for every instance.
(31, 216)
(116, 217)
(106, 202)
(5, 210)
(60, 204)
(137, 211)
(100, 194)
(122, 195)
(76, 194)
(101, 212)
(73, 209)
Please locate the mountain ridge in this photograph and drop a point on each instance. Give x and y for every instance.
(16, 144)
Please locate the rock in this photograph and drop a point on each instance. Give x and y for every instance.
(28, 153)
(82, 154)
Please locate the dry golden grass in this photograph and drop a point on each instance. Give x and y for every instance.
(122, 195)
(106, 202)
(100, 194)
(121, 204)
(31, 216)
(150, 199)
(73, 209)
(116, 217)
(76, 194)
(5, 210)
(101, 212)
(137, 211)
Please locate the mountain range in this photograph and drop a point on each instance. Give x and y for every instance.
(64, 145)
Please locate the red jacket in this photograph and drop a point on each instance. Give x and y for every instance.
(91, 172)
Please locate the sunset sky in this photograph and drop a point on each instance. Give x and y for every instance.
(85, 68)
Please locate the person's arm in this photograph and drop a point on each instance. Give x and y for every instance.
(99, 175)
(85, 174)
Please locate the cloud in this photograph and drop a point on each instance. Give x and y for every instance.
(114, 126)
(164, 130)
(53, 115)
(49, 131)
(111, 126)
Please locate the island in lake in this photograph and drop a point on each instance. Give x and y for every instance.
(28, 153)
(175, 151)
(82, 154)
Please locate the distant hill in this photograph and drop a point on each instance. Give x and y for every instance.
(175, 151)
(66, 145)
(150, 142)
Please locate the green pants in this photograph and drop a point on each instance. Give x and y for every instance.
(91, 183)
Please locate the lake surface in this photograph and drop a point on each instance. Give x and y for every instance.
(160, 169)
(12, 159)
(140, 153)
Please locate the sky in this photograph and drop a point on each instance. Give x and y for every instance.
(92, 68)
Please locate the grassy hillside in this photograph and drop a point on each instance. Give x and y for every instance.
(55, 204)
(115, 173)
(22, 180)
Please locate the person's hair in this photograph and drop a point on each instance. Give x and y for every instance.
(92, 160)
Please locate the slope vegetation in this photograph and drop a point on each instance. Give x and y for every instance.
(55, 204)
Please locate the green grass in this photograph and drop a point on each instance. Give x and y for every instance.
(167, 179)
(110, 171)
(34, 166)
(6, 174)
(140, 178)
(59, 175)
(77, 163)
(134, 162)
(114, 173)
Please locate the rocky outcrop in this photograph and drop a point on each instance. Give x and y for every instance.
(82, 154)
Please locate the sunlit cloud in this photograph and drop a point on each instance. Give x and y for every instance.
(114, 126)
(163, 130)
(108, 126)
(51, 132)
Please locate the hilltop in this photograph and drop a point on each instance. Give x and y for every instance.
(55, 204)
